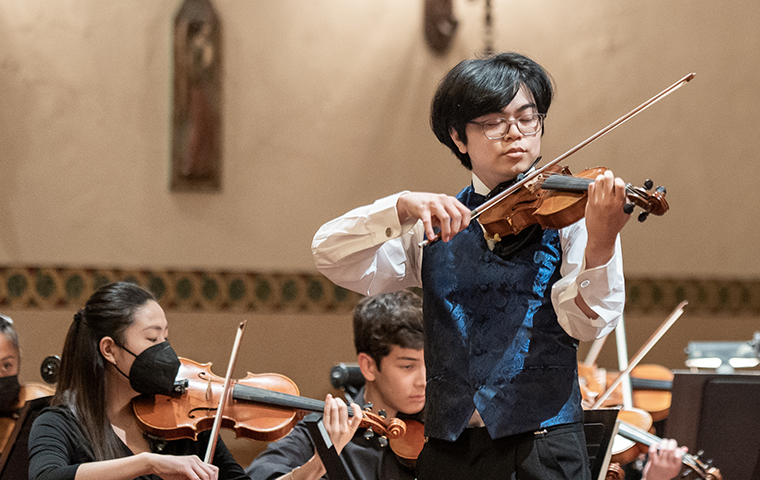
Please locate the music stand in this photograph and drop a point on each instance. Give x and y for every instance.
(14, 462)
(335, 466)
(600, 428)
(719, 414)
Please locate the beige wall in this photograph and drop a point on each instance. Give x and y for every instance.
(325, 108)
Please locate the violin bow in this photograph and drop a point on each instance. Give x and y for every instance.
(642, 351)
(474, 214)
(227, 382)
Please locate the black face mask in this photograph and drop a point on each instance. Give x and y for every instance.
(9, 392)
(154, 370)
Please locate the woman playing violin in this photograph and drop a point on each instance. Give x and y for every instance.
(115, 350)
(503, 320)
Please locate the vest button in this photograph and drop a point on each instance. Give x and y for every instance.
(483, 287)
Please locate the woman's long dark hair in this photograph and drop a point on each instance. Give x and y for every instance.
(81, 381)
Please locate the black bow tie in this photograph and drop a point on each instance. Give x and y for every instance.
(501, 187)
(505, 185)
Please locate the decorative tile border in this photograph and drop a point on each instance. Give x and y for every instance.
(183, 290)
(50, 287)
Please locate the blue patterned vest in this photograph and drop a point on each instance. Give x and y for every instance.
(492, 340)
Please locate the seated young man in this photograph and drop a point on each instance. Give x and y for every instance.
(388, 338)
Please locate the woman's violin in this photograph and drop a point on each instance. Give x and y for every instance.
(260, 406)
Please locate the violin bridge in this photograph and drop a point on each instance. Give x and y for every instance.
(534, 184)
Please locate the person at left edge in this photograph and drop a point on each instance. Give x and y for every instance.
(13, 394)
(115, 350)
(10, 388)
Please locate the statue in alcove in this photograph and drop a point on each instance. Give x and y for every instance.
(196, 142)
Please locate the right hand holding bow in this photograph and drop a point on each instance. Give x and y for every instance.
(435, 210)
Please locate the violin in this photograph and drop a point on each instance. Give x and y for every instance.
(260, 406)
(650, 386)
(556, 199)
(643, 437)
(409, 445)
(625, 450)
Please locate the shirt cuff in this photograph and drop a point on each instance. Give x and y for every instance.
(384, 218)
(603, 290)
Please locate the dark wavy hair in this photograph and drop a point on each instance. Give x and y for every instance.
(477, 87)
(388, 319)
(81, 381)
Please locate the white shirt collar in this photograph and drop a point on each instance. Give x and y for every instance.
(479, 187)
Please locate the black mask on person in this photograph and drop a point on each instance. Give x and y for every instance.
(9, 392)
(154, 370)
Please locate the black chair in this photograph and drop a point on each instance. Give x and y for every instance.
(14, 463)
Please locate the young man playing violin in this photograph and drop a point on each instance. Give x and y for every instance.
(502, 319)
(388, 339)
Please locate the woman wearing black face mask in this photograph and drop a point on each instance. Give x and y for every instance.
(9, 385)
(115, 349)
(13, 395)
(9, 361)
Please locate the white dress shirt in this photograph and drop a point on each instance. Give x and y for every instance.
(369, 251)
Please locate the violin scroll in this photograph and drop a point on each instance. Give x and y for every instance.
(377, 424)
(649, 202)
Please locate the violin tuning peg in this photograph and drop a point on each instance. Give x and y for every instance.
(369, 434)
(382, 414)
(643, 216)
(368, 407)
(628, 208)
(382, 441)
(648, 184)
(661, 190)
